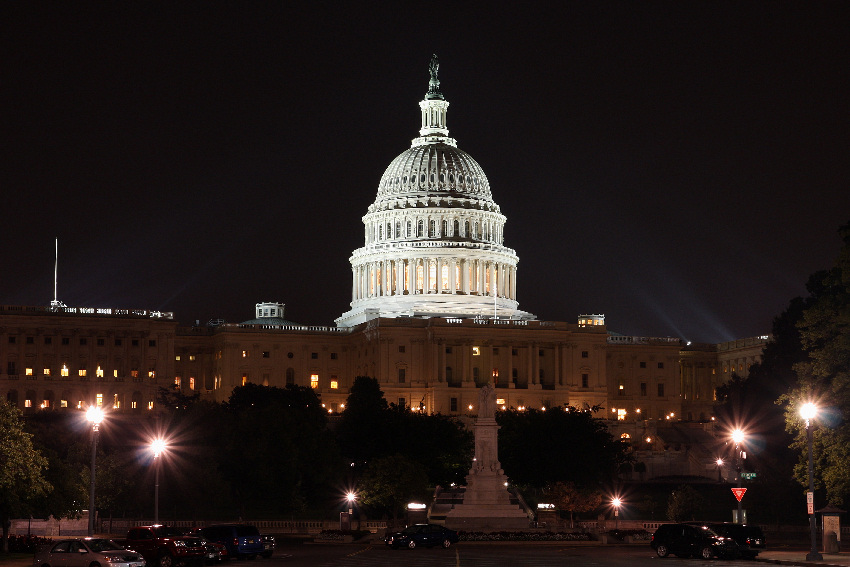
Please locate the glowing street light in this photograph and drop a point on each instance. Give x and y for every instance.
(719, 463)
(94, 415)
(738, 437)
(616, 503)
(351, 497)
(158, 446)
(808, 412)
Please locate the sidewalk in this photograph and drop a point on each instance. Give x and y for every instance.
(799, 558)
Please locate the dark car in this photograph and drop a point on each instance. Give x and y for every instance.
(268, 545)
(241, 540)
(428, 535)
(750, 538)
(166, 546)
(85, 552)
(686, 540)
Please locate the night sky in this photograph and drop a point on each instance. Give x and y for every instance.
(681, 167)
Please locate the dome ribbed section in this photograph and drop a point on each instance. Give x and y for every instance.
(433, 169)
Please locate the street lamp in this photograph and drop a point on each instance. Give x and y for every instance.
(351, 497)
(808, 412)
(94, 415)
(738, 438)
(616, 502)
(719, 463)
(157, 446)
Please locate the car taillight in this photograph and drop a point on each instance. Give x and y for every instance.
(236, 541)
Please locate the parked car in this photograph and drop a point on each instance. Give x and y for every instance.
(268, 545)
(84, 552)
(164, 546)
(241, 540)
(750, 538)
(216, 552)
(422, 534)
(685, 540)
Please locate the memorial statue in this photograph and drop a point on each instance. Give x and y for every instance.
(487, 401)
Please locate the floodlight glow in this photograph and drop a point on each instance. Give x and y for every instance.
(737, 436)
(158, 446)
(94, 414)
(808, 411)
(351, 497)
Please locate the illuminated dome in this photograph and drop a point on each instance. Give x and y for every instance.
(434, 235)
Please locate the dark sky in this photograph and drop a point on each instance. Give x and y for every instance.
(681, 167)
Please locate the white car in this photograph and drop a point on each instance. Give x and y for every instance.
(87, 552)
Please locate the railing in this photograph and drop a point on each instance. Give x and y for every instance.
(96, 311)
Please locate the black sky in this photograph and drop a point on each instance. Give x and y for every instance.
(681, 167)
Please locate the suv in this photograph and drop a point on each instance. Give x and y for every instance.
(241, 540)
(685, 540)
(750, 538)
(164, 546)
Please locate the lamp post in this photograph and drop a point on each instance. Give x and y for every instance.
(94, 415)
(616, 502)
(157, 446)
(738, 438)
(808, 412)
(719, 463)
(351, 497)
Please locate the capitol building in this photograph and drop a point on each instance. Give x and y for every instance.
(434, 315)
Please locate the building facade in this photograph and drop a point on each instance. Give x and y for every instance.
(434, 316)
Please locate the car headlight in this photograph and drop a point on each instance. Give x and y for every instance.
(179, 543)
(113, 558)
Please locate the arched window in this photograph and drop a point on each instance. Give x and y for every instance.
(456, 228)
(466, 228)
(421, 229)
(445, 228)
(432, 229)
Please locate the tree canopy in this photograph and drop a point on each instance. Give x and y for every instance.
(824, 377)
(21, 469)
(561, 444)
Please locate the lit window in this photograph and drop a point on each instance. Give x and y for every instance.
(625, 436)
(191, 382)
(244, 378)
(151, 373)
(621, 414)
(476, 351)
(244, 354)
(27, 403)
(99, 372)
(134, 373)
(82, 372)
(63, 403)
(500, 401)
(63, 371)
(45, 404)
(116, 403)
(150, 405)
(334, 385)
(314, 380)
(46, 372)
(99, 398)
(115, 373)
(191, 357)
(28, 371)
(133, 405)
(177, 382)
(177, 357)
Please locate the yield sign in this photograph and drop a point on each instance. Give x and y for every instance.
(739, 493)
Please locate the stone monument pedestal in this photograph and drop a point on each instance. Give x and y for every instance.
(486, 502)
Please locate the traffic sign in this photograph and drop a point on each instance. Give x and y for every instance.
(810, 502)
(739, 493)
(748, 475)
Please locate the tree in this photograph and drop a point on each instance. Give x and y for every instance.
(824, 377)
(389, 483)
(364, 424)
(561, 444)
(684, 504)
(566, 496)
(21, 469)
